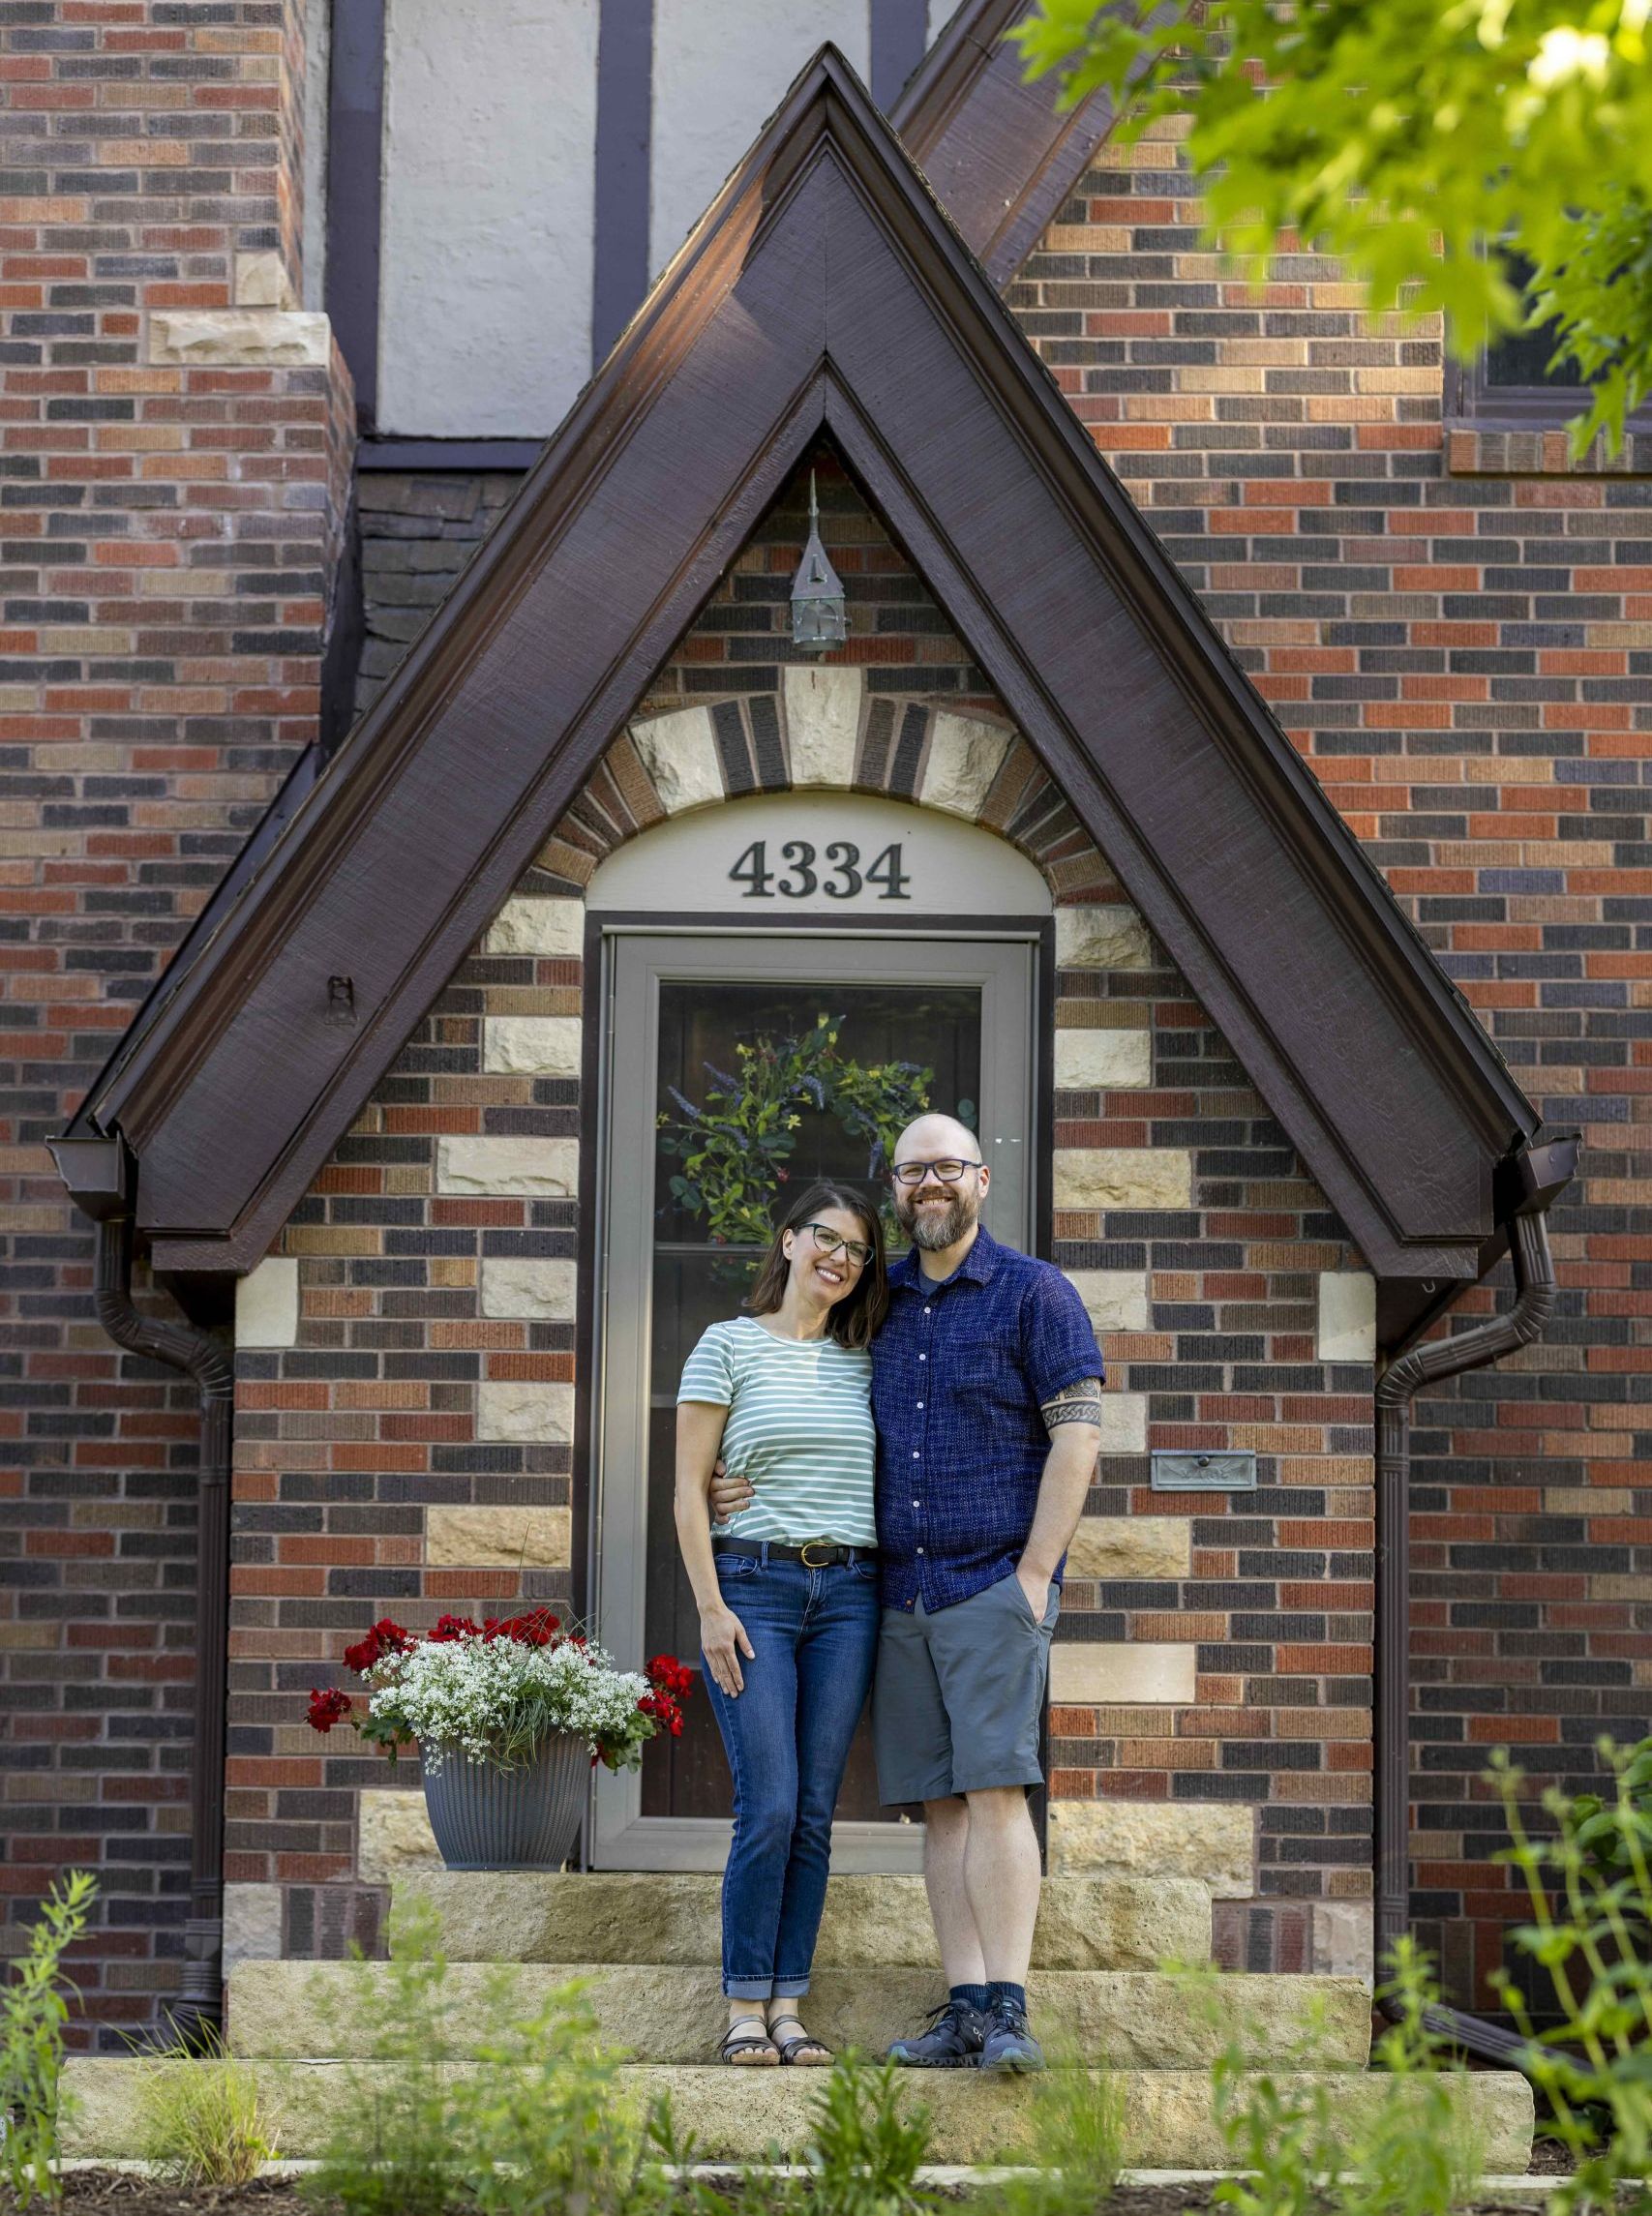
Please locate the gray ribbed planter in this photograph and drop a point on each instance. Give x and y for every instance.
(486, 1818)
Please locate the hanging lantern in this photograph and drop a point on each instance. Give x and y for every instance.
(820, 611)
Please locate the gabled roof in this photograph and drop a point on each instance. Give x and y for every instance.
(825, 291)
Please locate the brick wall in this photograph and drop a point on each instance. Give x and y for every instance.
(1213, 1663)
(173, 500)
(1454, 626)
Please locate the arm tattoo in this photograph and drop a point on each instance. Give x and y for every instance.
(1079, 1403)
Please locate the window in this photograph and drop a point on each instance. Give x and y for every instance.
(1512, 386)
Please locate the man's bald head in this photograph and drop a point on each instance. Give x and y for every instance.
(933, 1137)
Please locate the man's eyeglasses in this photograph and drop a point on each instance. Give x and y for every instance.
(829, 1242)
(947, 1173)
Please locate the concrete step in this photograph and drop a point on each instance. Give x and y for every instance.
(664, 2013)
(870, 1923)
(1169, 2120)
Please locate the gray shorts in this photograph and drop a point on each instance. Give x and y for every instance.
(959, 1695)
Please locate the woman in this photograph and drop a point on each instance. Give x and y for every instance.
(787, 1589)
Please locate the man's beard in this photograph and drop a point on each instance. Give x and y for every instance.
(935, 1228)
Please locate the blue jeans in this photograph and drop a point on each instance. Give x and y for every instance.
(815, 1633)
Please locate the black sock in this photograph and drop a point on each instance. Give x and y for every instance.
(1001, 1988)
(972, 1996)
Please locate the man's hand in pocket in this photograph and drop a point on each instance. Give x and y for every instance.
(728, 1495)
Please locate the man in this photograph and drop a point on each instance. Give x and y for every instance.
(986, 1384)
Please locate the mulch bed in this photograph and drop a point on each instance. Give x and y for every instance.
(120, 2193)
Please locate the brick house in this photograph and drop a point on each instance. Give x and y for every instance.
(337, 1028)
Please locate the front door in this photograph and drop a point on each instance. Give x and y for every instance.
(719, 1025)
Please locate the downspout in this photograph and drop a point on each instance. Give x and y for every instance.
(101, 1175)
(1530, 1180)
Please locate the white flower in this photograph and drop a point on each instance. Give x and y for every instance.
(1564, 54)
(498, 1699)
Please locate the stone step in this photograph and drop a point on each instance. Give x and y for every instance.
(664, 2013)
(1169, 2120)
(870, 1923)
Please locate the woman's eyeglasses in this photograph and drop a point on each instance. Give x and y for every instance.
(947, 1173)
(829, 1242)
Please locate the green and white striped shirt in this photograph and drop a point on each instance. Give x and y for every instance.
(799, 1428)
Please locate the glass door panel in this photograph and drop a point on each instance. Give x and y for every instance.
(688, 1019)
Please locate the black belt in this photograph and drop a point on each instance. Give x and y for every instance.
(813, 1554)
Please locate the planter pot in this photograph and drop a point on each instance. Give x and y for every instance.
(486, 1818)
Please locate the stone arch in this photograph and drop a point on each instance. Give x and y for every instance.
(827, 729)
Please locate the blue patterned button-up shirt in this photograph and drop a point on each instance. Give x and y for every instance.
(959, 1372)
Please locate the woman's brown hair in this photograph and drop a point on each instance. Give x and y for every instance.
(853, 1320)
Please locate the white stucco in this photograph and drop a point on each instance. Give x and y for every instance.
(720, 70)
(266, 1304)
(485, 286)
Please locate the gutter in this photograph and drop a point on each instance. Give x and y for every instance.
(102, 1177)
(1526, 1183)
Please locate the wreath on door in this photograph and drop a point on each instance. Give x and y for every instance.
(733, 1151)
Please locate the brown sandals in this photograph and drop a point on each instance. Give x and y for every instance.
(790, 2050)
(739, 2044)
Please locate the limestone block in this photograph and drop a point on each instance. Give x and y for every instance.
(252, 1924)
(1091, 1671)
(481, 1538)
(240, 338)
(1094, 1061)
(1158, 1838)
(1343, 1939)
(1123, 1176)
(394, 1840)
(527, 1408)
(529, 925)
(261, 281)
(1169, 2115)
(544, 1046)
(1114, 1299)
(679, 753)
(658, 2013)
(871, 1923)
(542, 1286)
(823, 721)
(1123, 1423)
(1347, 1315)
(1132, 1546)
(965, 756)
(545, 1169)
(1113, 937)
(266, 1304)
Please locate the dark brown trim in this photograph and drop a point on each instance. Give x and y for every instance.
(996, 153)
(469, 454)
(624, 164)
(355, 139)
(823, 290)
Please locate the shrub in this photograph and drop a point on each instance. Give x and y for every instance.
(1415, 2153)
(202, 2118)
(1590, 1888)
(863, 2154)
(32, 2017)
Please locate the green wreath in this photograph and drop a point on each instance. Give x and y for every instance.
(733, 1151)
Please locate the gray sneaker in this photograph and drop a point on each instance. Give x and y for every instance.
(951, 2039)
(1010, 2048)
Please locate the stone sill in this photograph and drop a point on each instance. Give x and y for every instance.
(1474, 450)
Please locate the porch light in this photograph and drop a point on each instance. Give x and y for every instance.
(820, 614)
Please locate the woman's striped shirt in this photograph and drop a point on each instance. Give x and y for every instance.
(799, 1428)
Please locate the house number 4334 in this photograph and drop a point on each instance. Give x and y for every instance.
(836, 870)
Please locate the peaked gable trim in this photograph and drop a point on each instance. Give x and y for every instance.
(824, 289)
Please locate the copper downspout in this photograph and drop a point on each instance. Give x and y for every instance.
(1540, 1173)
(198, 2013)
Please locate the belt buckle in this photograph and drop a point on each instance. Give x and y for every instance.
(804, 1553)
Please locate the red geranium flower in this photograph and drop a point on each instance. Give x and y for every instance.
(328, 1708)
(384, 1638)
(537, 1629)
(449, 1628)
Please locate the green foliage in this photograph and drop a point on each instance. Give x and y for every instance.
(735, 1149)
(1415, 2154)
(32, 2016)
(202, 2118)
(863, 2153)
(1401, 140)
(1591, 1899)
(1077, 2132)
